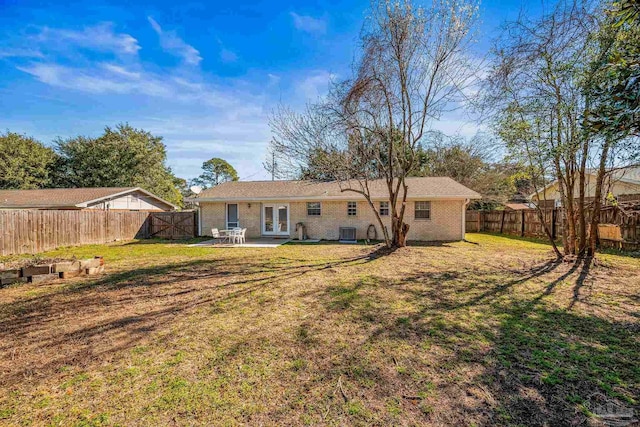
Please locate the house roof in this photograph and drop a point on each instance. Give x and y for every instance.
(628, 175)
(431, 187)
(69, 198)
(517, 206)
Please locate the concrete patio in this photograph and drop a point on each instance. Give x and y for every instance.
(263, 242)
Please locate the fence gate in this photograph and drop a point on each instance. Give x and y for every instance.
(173, 225)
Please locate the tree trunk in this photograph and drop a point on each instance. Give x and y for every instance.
(400, 232)
(568, 220)
(581, 205)
(399, 228)
(570, 249)
(547, 230)
(583, 166)
(597, 203)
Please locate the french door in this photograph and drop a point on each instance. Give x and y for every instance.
(275, 219)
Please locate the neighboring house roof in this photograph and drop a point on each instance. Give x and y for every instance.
(517, 206)
(628, 175)
(66, 198)
(431, 187)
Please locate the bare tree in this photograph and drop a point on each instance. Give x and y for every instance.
(528, 143)
(538, 79)
(413, 66)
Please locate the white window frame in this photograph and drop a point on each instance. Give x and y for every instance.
(415, 210)
(380, 208)
(352, 206)
(319, 208)
(226, 215)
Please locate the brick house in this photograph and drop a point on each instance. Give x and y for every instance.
(435, 209)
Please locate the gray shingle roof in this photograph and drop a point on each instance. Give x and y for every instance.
(429, 187)
(68, 198)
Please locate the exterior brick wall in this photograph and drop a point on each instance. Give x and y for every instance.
(446, 221)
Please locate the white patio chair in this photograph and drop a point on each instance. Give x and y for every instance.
(217, 235)
(241, 236)
(233, 235)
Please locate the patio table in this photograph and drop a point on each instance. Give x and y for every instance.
(226, 234)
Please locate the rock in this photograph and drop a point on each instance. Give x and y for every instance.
(10, 274)
(11, 281)
(67, 266)
(40, 278)
(90, 263)
(36, 270)
(69, 274)
(95, 270)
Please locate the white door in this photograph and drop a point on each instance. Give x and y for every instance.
(275, 219)
(233, 219)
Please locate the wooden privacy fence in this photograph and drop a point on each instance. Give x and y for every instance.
(522, 223)
(33, 231)
(527, 223)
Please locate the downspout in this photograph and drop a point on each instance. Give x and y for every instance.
(199, 219)
(464, 217)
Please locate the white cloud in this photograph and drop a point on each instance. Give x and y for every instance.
(20, 53)
(109, 79)
(308, 23)
(116, 69)
(240, 138)
(456, 123)
(101, 37)
(173, 44)
(274, 79)
(315, 85)
(228, 56)
(200, 116)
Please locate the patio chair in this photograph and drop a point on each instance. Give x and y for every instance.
(232, 235)
(241, 236)
(217, 235)
(237, 236)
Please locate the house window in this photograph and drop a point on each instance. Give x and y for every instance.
(384, 208)
(423, 210)
(313, 209)
(352, 208)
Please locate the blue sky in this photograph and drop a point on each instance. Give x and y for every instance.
(204, 75)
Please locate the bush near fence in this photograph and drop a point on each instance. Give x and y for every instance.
(526, 223)
(33, 231)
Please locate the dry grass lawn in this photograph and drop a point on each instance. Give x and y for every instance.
(484, 332)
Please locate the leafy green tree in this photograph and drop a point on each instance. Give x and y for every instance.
(614, 85)
(216, 171)
(121, 157)
(612, 88)
(25, 163)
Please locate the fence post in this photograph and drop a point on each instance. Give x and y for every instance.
(522, 224)
(502, 222)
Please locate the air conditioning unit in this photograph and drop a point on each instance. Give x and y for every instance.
(348, 234)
